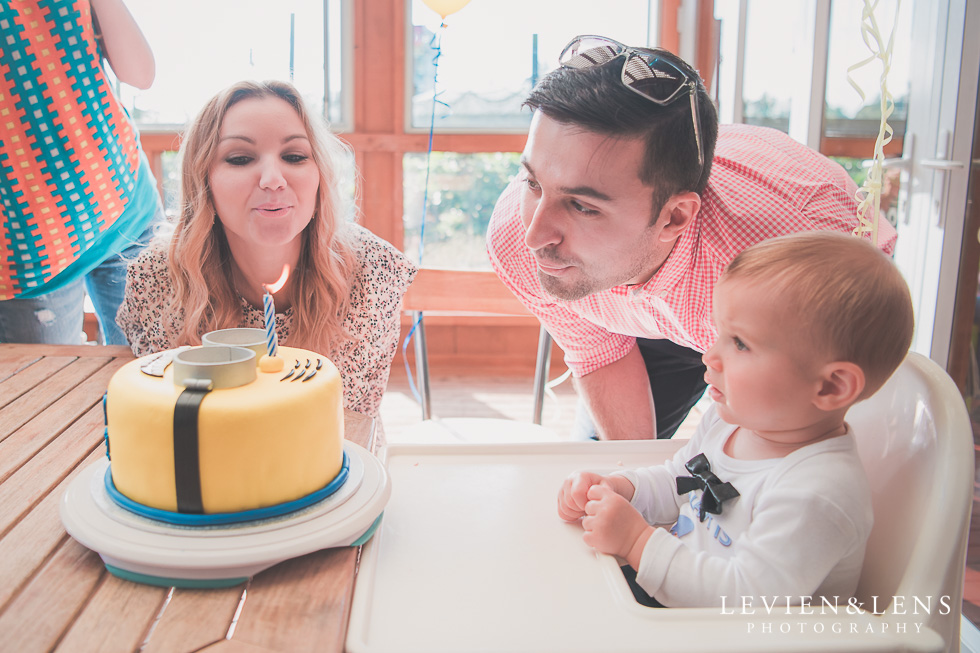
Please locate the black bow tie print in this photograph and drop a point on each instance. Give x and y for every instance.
(702, 478)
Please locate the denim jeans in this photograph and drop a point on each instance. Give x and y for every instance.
(54, 318)
(57, 317)
(106, 286)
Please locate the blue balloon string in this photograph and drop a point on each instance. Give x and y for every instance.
(436, 45)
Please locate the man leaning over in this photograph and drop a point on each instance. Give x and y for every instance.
(630, 202)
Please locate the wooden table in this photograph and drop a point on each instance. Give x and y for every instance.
(56, 595)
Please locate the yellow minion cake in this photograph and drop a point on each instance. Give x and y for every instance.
(219, 467)
(211, 432)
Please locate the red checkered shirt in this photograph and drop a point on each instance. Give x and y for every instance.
(763, 184)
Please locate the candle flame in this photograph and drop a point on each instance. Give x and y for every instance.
(275, 287)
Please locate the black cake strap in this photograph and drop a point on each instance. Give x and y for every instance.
(187, 464)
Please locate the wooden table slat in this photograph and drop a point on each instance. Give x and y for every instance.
(193, 619)
(29, 543)
(34, 480)
(46, 607)
(235, 646)
(26, 380)
(17, 366)
(38, 399)
(10, 350)
(301, 604)
(117, 617)
(32, 437)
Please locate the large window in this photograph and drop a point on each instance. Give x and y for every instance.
(462, 191)
(202, 47)
(492, 53)
(845, 113)
(489, 55)
(772, 73)
(482, 64)
(772, 27)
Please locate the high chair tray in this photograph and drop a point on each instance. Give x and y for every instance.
(472, 556)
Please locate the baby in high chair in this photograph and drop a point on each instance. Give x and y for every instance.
(769, 497)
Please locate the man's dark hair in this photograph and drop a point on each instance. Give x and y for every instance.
(597, 100)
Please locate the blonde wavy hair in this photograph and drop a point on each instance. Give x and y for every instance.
(199, 256)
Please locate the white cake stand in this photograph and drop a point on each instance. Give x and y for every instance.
(149, 551)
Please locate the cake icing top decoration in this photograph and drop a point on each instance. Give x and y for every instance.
(156, 365)
(222, 366)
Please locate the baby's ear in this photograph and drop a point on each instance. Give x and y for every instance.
(841, 385)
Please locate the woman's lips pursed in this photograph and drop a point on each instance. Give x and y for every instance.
(272, 209)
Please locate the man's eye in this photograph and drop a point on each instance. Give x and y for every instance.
(580, 208)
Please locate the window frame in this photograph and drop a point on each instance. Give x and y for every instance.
(807, 128)
(376, 123)
(346, 122)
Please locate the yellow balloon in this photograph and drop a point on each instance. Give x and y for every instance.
(446, 7)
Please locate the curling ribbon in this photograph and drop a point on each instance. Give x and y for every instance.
(436, 45)
(869, 195)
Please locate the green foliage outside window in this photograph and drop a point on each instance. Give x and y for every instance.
(463, 189)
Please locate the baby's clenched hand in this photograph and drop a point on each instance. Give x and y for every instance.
(574, 494)
(611, 524)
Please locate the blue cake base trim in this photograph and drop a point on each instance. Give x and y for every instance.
(221, 518)
(184, 583)
(369, 533)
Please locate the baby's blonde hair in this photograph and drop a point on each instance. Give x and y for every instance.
(849, 297)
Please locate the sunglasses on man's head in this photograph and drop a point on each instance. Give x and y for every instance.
(646, 72)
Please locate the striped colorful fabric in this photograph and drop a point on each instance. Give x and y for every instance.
(68, 153)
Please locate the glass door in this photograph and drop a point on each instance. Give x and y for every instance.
(934, 246)
(935, 164)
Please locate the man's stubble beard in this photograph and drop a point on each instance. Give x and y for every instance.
(578, 290)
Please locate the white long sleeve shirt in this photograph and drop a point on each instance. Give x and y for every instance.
(798, 527)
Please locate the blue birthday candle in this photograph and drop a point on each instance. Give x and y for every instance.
(271, 338)
(269, 309)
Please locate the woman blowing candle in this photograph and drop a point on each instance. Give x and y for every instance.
(261, 189)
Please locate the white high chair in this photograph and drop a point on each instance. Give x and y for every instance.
(916, 443)
(471, 555)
